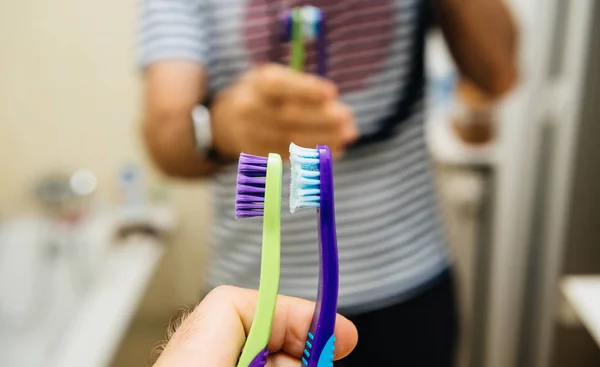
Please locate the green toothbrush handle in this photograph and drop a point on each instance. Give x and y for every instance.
(260, 331)
(297, 51)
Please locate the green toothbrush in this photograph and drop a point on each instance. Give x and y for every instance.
(259, 194)
(297, 47)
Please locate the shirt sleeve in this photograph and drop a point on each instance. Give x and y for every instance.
(171, 30)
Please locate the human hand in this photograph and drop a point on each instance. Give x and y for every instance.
(215, 332)
(272, 105)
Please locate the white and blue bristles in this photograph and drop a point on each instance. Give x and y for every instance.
(305, 189)
(311, 16)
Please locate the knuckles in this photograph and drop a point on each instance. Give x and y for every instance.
(272, 77)
(247, 104)
(290, 113)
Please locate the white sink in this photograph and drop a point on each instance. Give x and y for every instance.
(68, 303)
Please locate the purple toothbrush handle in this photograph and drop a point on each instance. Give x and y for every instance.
(261, 359)
(322, 45)
(323, 323)
(286, 25)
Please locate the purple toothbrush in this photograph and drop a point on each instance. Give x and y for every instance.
(312, 187)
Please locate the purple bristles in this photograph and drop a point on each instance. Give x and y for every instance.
(251, 181)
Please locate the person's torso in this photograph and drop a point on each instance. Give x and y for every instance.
(389, 238)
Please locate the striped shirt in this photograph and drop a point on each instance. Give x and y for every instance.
(390, 240)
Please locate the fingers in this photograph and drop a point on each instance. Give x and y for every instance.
(331, 124)
(291, 324)
(215, 332)
(300, 117)
(283, 360)
(272, 106)
(290, 117)
(280, 83)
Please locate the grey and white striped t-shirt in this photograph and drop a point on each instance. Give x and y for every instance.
(390, 240)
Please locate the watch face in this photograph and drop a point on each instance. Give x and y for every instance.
(202, 133)
(200, 114)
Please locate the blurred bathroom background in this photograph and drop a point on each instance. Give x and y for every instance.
(98, 251)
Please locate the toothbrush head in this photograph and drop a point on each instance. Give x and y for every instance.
(251, 186)
(305, 189)
(311, 19)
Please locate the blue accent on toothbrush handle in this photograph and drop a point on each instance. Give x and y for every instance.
(320, 343)
(327, 355)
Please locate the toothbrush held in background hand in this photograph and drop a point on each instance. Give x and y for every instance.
(297, 53)
(259, 192)
(301, 24)
(312, 187)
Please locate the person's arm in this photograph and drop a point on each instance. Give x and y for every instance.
(260, 113)
(172, 47)
(482, 38)
(171, 90)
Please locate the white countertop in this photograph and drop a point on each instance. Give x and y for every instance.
(583, 294)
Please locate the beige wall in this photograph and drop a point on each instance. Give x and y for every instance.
(69, 99)
(68, 92)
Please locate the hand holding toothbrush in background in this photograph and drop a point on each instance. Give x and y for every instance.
(214, 333)
(272, 105)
